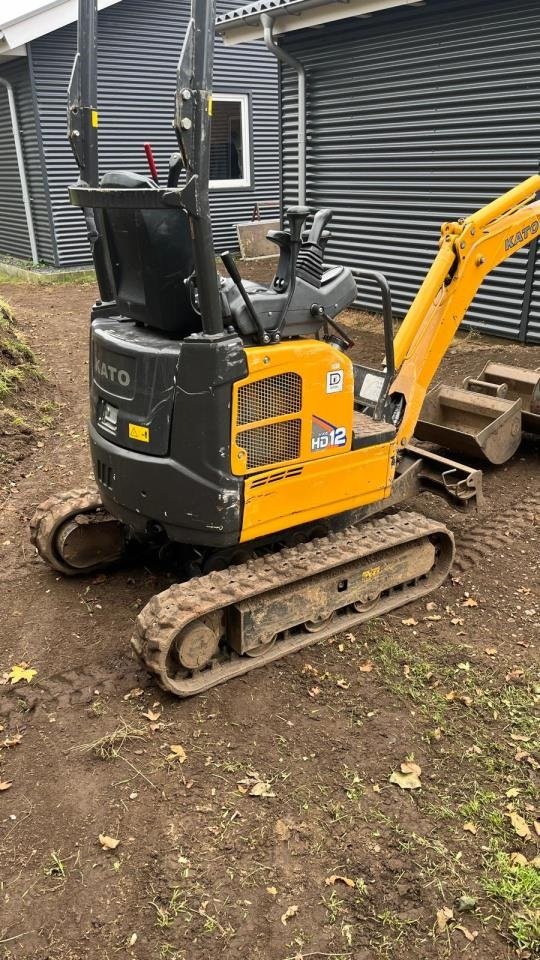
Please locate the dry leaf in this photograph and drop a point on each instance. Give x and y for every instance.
(431, 605)
(290, 912)
(517, 859)
(520, 826)
(343, 684)
(336, 878)
(410, 767)
(437, 733)
(6, 784)
(470, 935)
(406, 781)
(443, 918)
(272, 891)
(282, 830)
(512, 792)
(108, 843)
(177, 753)
(470, 827)
(376, 788)
(469, 602)
(261, 789)
(150, 715)
(366, 667)
(515, 674)
(410, 622)
(314, 691)
(12, 741)
(21, 671)
(134, 692)
(491, 651)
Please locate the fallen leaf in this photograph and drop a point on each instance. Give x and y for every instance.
(314, 691)
(12, 741)
(518, 859)
(282, 830)
(21, 671)
(520, 826)
(272, 891)
(406, 781)
(343, 684)
(336, 878)
(366, 667)
(132, 940)
(410, 767)
(134, 692)
(465, 903)
(470, 827)
(515, 674)
(108, 843)
(431, 605)
(443, 918)
(177, 753)
(469, 602)
(261, 789)
(470, 935)
(491, 651)
(410, 622)
(376, 788)
(290, 912)
(6, 784)
(434, 617)
(512, 792)
(150, 715)
(437, 733)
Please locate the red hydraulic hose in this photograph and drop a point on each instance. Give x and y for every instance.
(151, 162)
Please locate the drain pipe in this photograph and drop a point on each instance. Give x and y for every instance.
(267, 24)
(22, 173)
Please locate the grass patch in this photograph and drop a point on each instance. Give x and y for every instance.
(17, 361)
(517, 886)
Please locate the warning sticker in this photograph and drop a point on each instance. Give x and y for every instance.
(136, 432)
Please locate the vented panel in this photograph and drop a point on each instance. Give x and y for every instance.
(271, 443)
(272, 397)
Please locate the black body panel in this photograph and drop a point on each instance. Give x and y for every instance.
(178, 479)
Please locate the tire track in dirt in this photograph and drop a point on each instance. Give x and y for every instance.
(72, 688)
(495, 532)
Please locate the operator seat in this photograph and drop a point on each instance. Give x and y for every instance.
(151, 256)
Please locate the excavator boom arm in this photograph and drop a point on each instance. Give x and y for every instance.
(468, 252)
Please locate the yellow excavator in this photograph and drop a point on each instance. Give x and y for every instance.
(229, 425)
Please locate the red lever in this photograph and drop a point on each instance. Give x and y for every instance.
(151, 162)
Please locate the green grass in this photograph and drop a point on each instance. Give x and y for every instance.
(516, 886)
(17, 361)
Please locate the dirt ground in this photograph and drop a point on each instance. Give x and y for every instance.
(327, 858)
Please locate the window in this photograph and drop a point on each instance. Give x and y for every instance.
(229, 149)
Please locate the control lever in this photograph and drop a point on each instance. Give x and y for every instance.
(232, 270)
(321, 218)
(297, 217)
(175, 169)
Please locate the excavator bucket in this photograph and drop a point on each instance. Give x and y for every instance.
(479, 425)
(513, 383)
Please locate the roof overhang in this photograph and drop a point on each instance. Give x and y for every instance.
(46, 16)
(243, 24)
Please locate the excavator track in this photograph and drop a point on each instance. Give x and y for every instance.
(74, 533)
(252, 614)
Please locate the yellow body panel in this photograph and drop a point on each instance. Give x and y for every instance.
(296, 404)
(278, 500)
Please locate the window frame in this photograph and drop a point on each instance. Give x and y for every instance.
(245, 119)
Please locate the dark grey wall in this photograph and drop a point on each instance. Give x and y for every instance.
(418, 116)
(14, 239)
(139, 45)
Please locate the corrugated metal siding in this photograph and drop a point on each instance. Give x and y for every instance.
(139, 45)
(415, 117)
(14, 240)
(533, 320)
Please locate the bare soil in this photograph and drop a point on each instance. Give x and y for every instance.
(332, 860)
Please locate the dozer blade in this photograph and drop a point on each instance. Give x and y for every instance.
(475, 424)
(514, 383)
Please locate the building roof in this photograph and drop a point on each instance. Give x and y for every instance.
(243, 23)
(34, 19)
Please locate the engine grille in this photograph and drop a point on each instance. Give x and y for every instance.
(271, 443)
(272, 397)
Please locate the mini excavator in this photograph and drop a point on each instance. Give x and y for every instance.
(228, 419)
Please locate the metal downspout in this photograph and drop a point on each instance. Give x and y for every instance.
(267, 25)
(22, 173)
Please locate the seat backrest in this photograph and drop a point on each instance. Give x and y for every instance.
(152, 256)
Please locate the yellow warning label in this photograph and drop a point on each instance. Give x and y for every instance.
(369, 574)
(139, 433)
(210, 106)
(95, 118)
